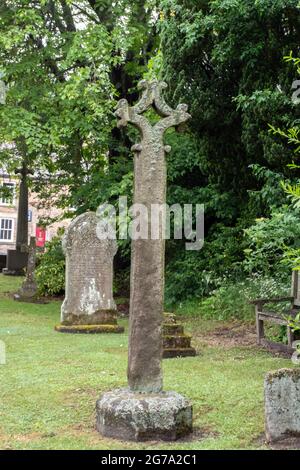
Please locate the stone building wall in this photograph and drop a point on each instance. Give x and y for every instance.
(10, 211)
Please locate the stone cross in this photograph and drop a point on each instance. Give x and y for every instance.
(89, 278)
(28, 289)
(31, 260)
(144, 411)
(147, 262)
(22, 222)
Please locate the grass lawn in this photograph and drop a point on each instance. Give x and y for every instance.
(50, 382)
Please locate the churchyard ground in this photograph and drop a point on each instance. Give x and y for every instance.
(50, 382)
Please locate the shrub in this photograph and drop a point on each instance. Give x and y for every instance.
(268, 240)
(191, 274)
(50, 273)
(231, 300)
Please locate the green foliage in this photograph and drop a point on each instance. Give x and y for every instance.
(50, 272)
(231, 299)
(196, 274)
(225, 60)
(294, 322)
(291, 135)
(267, 240)
(271, 194)
(66, 64)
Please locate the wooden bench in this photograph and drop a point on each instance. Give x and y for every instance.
(273, 317)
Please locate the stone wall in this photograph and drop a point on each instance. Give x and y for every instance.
(11, 211)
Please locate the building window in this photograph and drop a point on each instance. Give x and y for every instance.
(6, 230)
(8, 199)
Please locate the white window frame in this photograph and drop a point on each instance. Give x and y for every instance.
(3, 240)
(2, 199)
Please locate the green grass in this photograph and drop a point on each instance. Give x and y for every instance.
(51, 381)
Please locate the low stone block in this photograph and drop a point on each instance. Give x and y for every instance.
(123, 414)
(169, 317)
(177, 341)
(33, 300)
(282, 404)
(16, 263)
(169, 353)
(172, 329)
(89, 329)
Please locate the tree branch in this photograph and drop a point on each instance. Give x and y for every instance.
(87, 14)
(68, 17)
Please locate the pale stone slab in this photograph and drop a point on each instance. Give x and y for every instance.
(282, 404)
(89, 274)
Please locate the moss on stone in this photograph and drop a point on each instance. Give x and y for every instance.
(177, 341)
(184, 335)
(89, 329)
(294, 374)
(169, 353)
(100, 317)
(172, 329)
(169, 318)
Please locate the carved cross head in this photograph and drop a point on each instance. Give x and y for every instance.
(24, 171)
(151, 97)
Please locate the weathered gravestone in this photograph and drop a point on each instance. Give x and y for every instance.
(28, 291)
(282, 404)
(89, 306)
(144, 411)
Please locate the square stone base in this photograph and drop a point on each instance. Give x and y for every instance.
(130, 416)
(16, 261)
(33, 299)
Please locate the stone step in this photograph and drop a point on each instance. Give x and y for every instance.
(172, 329)
(178, 352)
(177, 341)
(169, 317)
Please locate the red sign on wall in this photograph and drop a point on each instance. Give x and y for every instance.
(40, 234)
